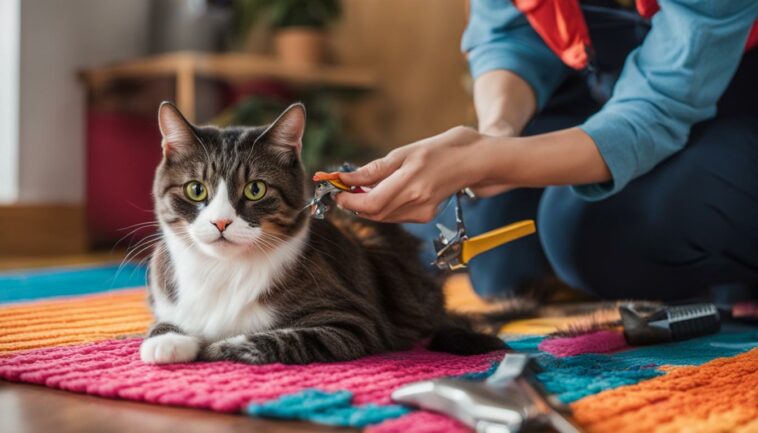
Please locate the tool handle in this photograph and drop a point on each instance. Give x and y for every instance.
(478, 244)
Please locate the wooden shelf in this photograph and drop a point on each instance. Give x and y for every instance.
(185, 67)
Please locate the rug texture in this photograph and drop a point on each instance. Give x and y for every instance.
(79, 330)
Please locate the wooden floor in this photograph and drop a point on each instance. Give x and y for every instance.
(35, 409)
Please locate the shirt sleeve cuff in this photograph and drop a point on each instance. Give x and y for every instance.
(608, 130)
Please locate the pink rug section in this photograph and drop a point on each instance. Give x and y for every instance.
(596, 342)
(113, 369)
(420, 422)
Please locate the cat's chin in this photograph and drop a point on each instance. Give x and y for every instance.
(224, 249)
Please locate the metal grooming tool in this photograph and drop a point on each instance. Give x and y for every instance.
(507, 402)
(661, 325)
(326, 185)
(455, 249)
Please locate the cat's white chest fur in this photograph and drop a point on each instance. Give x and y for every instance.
(219, 298)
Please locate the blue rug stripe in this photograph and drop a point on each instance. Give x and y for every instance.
(50, 283)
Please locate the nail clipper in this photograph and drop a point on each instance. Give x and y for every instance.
(326, 185)
(455, 249)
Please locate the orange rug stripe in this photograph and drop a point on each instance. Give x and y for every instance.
(74, 320)
(719, 396)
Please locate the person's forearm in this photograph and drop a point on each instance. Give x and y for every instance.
(566, 157)
(504, 103)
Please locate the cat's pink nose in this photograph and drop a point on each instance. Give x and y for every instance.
(221, 225)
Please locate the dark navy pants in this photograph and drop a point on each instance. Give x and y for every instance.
(687, 226)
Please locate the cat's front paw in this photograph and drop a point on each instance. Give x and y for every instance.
(169, 348)
(238, 348)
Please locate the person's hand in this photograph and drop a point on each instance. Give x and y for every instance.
(410, 182)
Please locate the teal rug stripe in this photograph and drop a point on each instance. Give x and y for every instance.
(51, 283)
(323, 407)
(574, 377)
(336, 408)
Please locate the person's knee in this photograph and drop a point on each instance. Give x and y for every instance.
(663, 234)
(623, 247)
(563, 233)
(594, 246)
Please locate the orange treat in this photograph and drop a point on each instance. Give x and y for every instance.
(322, 175)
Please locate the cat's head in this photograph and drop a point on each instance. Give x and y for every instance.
(231, 191)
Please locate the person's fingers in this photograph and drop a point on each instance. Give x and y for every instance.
(378, 169)
(371, 173)
(380, 200)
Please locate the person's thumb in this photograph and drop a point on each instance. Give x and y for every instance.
(371, 173)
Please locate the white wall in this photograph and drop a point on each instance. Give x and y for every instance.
(9, 45)
(59, 38)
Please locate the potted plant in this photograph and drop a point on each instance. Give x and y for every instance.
(299, 26)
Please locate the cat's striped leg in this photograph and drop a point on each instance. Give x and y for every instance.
(290, 346)
(166, 343)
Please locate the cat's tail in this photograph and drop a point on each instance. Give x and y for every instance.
(462, 341)
(472, 334)
(465, 334)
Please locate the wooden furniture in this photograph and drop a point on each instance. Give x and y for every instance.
(41, 230)
(186, 67)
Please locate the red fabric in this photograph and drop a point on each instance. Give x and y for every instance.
(561, 25)
(647, 8)
(752, 39)
(123, 151)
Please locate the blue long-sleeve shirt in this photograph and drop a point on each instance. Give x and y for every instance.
(670, 82)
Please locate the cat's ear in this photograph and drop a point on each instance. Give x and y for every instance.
(178, 135)
(285, 134)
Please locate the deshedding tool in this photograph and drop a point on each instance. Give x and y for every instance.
(507, 402)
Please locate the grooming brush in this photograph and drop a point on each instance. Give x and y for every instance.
(667, 324)
(587, 318)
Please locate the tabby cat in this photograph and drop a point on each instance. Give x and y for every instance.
(243, 273)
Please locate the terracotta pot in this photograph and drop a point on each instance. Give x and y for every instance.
(301, 46)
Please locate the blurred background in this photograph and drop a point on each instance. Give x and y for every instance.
(82, 79)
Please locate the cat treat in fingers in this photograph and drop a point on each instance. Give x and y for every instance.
(242, 273)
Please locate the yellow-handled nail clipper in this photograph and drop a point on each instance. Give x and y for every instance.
(455, 249)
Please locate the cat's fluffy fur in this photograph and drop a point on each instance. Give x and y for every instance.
(270, 284)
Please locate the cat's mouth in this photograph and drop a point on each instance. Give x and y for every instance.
(223, 241)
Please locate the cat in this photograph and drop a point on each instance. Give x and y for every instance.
(243, 273)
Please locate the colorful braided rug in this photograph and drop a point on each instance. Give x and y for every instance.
(79, 330)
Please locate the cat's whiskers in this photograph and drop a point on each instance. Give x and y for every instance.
(131, 233)
(145, 244)
(144, 223)
(142, 246)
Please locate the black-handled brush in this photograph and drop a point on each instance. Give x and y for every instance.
(667, 324)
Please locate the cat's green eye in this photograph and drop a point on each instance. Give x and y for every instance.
(195, 191)
(255, 190)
